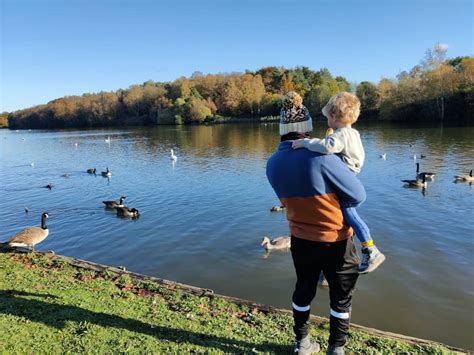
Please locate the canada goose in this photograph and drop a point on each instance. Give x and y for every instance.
(173, 157)
(127, 212)
(31, 236)
(106, 173)
(91, 171)
(279, 243)
(419, 176)
(277, 209)
(416, 183)
(113, 204)
(49, 186)
(383, 156)
(465, 178)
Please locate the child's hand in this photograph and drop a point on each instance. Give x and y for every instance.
(297, 144)
(329, 131)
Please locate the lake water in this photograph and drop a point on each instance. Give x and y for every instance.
(203, 217)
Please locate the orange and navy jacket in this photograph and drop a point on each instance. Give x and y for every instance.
(312, 187)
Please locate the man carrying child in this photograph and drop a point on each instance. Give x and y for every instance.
(313, 186)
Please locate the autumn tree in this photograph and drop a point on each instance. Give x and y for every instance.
(368, 95)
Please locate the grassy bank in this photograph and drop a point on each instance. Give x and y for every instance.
(48, 305)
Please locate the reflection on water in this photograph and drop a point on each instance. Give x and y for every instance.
(202, 217)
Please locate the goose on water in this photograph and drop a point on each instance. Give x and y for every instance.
(280, 243)
(127, 212)
(465, 178)
(416, 183)
(49, 186)
(419, 176)
(106, 173)
(114, 204)
(31, 236)
(91, 171)
(277, 209)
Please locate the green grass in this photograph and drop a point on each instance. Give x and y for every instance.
(49, 306)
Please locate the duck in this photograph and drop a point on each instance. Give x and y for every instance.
(106, 173)
(91, 171)
(465, 178)
(107, 140)
(277, 209)
(422, 156)
(173, 157)
(113, 204)
(27, 210)
(31, 236)
(383, 156)
(416, 183)
(49, 186)
(127, 212)
(429, 176)
(280, 243)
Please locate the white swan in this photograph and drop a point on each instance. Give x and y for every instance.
(173, 157)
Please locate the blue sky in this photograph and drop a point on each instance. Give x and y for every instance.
(53, 48)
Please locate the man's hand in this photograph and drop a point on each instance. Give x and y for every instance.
(297, 144)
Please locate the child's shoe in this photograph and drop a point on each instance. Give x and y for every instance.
(371, 259)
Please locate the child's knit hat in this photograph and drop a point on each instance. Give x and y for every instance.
(294, 116)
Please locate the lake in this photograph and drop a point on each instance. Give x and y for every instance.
(203, 217)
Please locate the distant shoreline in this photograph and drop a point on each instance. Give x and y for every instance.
(372, 119)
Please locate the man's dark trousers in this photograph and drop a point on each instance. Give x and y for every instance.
(339, 262)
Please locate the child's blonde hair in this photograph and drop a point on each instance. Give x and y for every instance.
(343, 107)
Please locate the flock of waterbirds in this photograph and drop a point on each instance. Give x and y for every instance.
(31, 236)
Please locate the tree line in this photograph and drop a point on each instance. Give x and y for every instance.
(436, 89)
